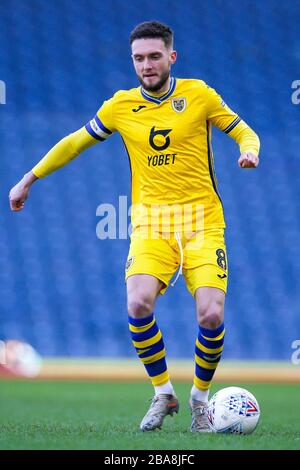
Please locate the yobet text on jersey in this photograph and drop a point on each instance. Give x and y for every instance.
(163, 159)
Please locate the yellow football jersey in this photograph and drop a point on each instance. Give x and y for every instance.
(168, 141)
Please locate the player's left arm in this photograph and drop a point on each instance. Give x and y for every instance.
(249, 144)
(221, 116)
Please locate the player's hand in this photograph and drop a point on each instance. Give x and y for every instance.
(18, 195)
(20, 192)
(248, 160)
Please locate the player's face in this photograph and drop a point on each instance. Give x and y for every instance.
(152, 61)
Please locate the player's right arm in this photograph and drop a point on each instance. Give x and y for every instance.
(63, 152)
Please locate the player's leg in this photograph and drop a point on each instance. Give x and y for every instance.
(206, 277)
(208, 351)
(142, 292)
(209, 344)
(150, 266)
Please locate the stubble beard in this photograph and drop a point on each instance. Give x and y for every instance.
(158, 85)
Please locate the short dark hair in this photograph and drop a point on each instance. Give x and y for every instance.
(153, 29)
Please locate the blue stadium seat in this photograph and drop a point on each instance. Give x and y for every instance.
(62, 289)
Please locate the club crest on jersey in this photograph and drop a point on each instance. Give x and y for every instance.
(179, 104)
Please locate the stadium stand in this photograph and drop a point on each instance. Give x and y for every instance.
(61, 288)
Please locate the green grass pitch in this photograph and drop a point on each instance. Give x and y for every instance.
(95, 415)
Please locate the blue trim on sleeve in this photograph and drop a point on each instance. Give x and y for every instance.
(101, 125)
(92, 133)
(232, 125)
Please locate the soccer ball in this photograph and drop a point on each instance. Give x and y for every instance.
(233, 410)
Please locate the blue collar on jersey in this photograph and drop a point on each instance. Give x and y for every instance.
(162, 98)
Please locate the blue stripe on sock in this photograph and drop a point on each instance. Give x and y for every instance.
(140, 321)
(204, 374)
(203, 355)
(145, 334)
(156, 368)
(152, 349)
(211, 333)
(209, 343)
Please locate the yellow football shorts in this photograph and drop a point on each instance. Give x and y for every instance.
(201, 258)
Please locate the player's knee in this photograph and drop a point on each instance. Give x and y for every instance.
(140, 306)
(212, 316)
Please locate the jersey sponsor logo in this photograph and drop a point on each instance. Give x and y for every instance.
(179, 104)
(136, 110)
(163, 159)
(155, 134)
